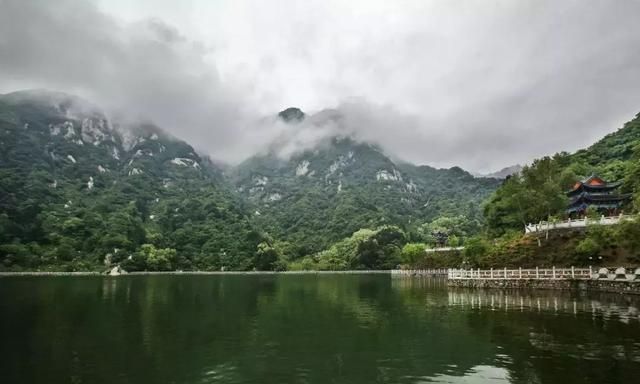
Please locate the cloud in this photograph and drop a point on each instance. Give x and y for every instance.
(147, 70)
(472, 83)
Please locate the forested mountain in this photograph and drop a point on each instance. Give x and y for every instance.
(324, 194)
(77, 189)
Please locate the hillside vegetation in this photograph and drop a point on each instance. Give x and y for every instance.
(321, 196)
(81, 192)
(538, 193)
(77, 191)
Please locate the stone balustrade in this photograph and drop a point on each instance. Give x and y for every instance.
(544, 226)
(443, 249)
(420, 272)
(620, 273)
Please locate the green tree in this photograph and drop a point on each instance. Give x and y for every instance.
(588, 247)
(266, 257)
(475, 249)
(534, 195)
(412, 253)
(153, 259)
(627, 234)
(453, 241)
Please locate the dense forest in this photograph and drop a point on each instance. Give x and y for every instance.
(76, 191)
(81, 192)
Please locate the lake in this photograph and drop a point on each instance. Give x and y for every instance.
(308, 329)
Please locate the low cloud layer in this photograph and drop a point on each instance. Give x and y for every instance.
(472, 83)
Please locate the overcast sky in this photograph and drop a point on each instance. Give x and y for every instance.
(479, 84)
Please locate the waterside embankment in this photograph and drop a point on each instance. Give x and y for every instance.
(611, 286)
(613, 280)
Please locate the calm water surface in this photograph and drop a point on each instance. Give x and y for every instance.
(308, 329)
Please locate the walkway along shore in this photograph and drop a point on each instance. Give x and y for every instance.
(616, 280)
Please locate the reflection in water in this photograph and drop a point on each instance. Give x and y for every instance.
(609, 307)
(308, 329)
(599, 307)
(585, 351)
(480, 374)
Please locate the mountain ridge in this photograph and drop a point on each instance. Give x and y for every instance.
(90, 173)
(502, 173)
(78, 190)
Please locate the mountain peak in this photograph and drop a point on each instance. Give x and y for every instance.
(292, 115)
(503, 173)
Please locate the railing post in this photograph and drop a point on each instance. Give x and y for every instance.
(573, 272)
(492, 272)
(537, 274)
(590, 272)
(520, 272)
(505, 272)
(554, 272)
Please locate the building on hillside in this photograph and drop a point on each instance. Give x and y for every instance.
(598, 194)
(440, 238)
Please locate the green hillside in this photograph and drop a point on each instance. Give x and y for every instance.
(538, 193)
(76, 191)
(80, 192)
(320, 196)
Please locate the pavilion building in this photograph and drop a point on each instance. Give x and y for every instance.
(597, 194)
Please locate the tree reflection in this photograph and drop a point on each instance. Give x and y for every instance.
(306, 329)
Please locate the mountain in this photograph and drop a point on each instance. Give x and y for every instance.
(503, 173)
(321, 195)
(78, 189)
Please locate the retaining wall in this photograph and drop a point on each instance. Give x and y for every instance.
(614, 286)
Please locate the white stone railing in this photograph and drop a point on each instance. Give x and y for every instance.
(443, 249)
(544, 226)
(419, 272)
(553, 273)
(520, 273)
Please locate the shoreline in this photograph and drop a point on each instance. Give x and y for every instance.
(607, 286)
(192, 273)
(567, 285)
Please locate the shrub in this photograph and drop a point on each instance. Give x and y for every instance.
(412, 252)
(588, 247)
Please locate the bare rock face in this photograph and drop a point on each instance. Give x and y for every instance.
(117, 271)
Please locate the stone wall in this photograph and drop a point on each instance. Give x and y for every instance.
(614, 286)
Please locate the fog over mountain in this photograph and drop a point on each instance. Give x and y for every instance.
(477, 84)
